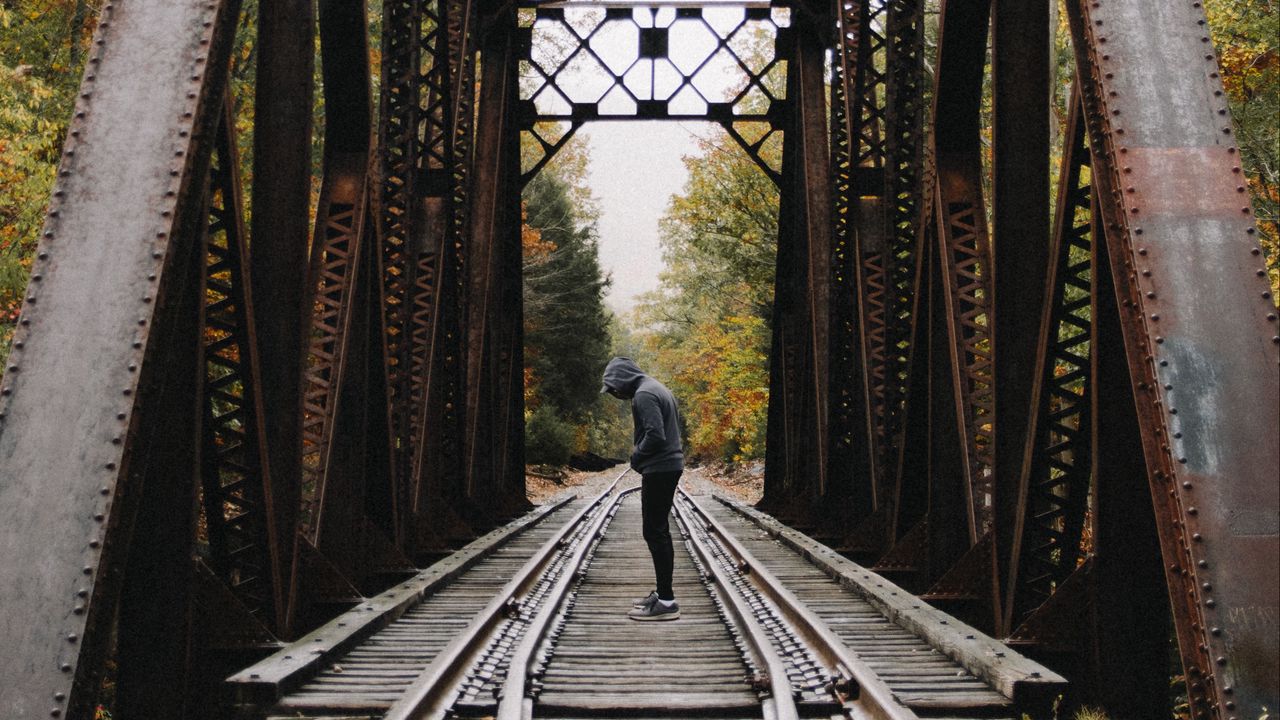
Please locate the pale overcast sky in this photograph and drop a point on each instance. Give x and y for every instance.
(635, 168)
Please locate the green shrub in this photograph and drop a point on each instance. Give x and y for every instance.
(548, 438)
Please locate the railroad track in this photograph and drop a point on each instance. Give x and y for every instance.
(531, 622)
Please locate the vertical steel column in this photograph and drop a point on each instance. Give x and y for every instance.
(1200, 332)
(870, 215)
(494, 381)
(110, 297)
(1020, 241)
(436, 377)
(1053, 489)
(153, 631)
(798, 370)
(963, 244)
(236, 490)
(397, 152)
(907, 191)
(334, 483)
(852, 459)
(280, 229)
(1131, 634)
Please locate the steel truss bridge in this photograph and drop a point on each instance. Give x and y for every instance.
(1055, 419)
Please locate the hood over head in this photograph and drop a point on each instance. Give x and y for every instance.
(623, 376)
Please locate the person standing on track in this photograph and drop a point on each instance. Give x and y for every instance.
(659, 458)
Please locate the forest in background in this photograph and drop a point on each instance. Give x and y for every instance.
(705, 331)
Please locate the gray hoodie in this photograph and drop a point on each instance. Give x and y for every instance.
(654, 412)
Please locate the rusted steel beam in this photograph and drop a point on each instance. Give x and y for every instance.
(871, 218)
(964, 247)
(345, 437)
(236, 485)
(907, 192)
(397, 150)
(333, 490)
(899, 266)
(1131, 634)
(154, 660)
(80, 398)
(852, 459)
(280, 227)
(798, 365)
(908, 502)
(1021, 93)
(1054, 485)
(440, 510)
(1200, 334)
(494, 468)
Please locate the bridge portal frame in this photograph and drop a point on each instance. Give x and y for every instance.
(934, 410)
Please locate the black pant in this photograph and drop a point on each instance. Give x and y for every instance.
(657, 491)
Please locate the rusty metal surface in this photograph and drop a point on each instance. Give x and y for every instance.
(83, 343)
(494, 237)
(852, 458)
(1199, 326)
(280, 229)
(1020, 241)
(1052, 493)
(801, 326)
(964, 247)
(334, 486)
(236, 484)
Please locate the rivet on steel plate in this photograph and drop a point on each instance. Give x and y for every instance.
(65, 667)
(110, 466)
(1151, 295)
(55, 712)
(87, 570)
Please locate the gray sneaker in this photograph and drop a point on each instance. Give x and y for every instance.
(642, 602)
(656, 610)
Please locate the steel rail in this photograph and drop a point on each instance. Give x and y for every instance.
(782, 704)
(861, 692)
(513, 703)
(264, 683)
(436, 688)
